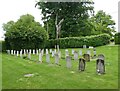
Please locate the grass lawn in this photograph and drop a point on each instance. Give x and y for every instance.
(51, 76)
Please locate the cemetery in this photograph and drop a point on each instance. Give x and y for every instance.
(65, 53)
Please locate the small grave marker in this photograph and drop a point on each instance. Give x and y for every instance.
(81, 64)
(68, 61)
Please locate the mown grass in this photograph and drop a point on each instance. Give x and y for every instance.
(51, 76)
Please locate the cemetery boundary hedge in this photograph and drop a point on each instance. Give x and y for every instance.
(77, 42)
(117, 38)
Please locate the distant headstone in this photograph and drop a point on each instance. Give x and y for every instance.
(17, 53)
(24, 52)
(29, 55)
(14, 52)
(86, 57)
(11, 52)
(40, 57)
(75, 55)
(94, 51)
(47, 58)
(56, 58)
(27, 51)
(84, 46)
(42, 52)
(68, 61)
(8, 51)
(53, 52)
(21, 53)
(37, 52)
(80, 52)
(59, 53)
(33, 51)
(100, 66)
(72, 51)
(50, 50)
(58, 47)
(90, 47)
(55, 46)
(66, 53)
(46, 51)
(81, 64)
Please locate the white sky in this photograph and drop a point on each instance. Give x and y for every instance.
(13, 9)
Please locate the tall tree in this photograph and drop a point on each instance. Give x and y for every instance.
(73, 14)
(102, 23)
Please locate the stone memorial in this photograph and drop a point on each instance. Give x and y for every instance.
(101, 56)
(37, 52)
(56, 58)
(33, 51)
(50, 50)
(86, 57)
(75, 55)
(24, 52)
(8, 51)
(11, 52)
(72, 51)
(84, 46)
(58, 47)
(68, 61)
(66, 53)
(42, 52)
(59, 53)
(46, 51)
(40, 57)
(100, 66)
(17, 53)
(47, 58)
(53, 52)
(80, 52)
(81, 64)
(14, 52)
(21, 53)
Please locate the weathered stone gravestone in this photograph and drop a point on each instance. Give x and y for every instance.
(47, 58)
(14, 52)
(29, 55)
(40, 57)
(27, 51)
(101, 56)
(50, 50)
(58, 47)
(56, 58)
(100, 66)
(42, 52)
(17, 53)
(81, 64)
(8, 51)
(37, 52)
(59, 53)
(53, 53)
(46, 51)
(33, 51)
(84, 46)
(72, 51)
(66, 53)
(21, 53)
(86, 57)
(11, 52)
(75, 55)
(90, 47)
(68, 61)
(24, 52)
(80, 52)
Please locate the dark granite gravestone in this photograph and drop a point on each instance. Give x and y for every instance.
(100, 66)
(86, 57)
(101, 56)
(81, 64)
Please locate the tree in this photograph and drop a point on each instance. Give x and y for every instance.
(102, 23)
(8, 25)
(26, 33)
(73, 13)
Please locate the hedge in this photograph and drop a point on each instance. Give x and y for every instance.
(78, 42)
(117, 38)
(2, 46)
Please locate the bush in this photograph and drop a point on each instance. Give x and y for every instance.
(77, 42)
(2, 46)
(117, 38)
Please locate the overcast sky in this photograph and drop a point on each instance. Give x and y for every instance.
(13, 9)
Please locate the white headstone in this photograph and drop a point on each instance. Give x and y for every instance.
(68, 61)
(42, 52)
(84, 46)
(50, 50)
(80, 52)
(90, 47)
(66, 53)
(47, 58)
(40, 57)
(8, 51)
(58, 47)
(59, 53)
(53, 52)
(72, 51)
(46, 51)
(24, 52)
(21, 53)
(56, 58)
(37, 52)
(33, 51)
(75, 55)
(14, 52)
(11, 52)
(17, 53)
(27, 51)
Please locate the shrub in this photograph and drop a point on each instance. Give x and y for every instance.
(2, 46)
(76, 42)
(117, 38)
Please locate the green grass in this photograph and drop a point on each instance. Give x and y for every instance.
(51, 76)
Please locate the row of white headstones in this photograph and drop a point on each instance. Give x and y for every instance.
(54, 53)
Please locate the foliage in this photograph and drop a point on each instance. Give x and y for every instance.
(74, 14)
(102, 23)
(117, 38)
(76, 42)
(2, 46)
(26, 33)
